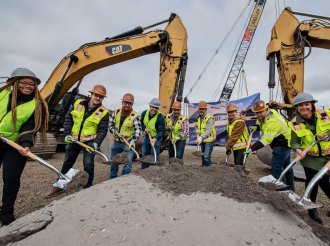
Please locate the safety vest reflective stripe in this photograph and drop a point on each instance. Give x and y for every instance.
(177, 126)
(202, 127)
(241, 142)
(88, 130)
(23, 113)
(307, 136)
(271, 122)
(151, 123)
(127, 128)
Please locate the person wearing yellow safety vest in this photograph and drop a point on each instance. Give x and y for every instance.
(124, 123)
(206, 135)
(86, 121)
(276, 133)
(237, 134)
(23, 112)
(153, 124)
(178, 128)
(307, 123)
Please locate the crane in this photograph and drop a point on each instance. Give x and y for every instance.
(242, 50)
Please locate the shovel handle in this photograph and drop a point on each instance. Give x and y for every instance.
(33, 157)
(127, 143)
(85, 146)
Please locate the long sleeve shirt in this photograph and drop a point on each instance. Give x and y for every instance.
(136, 124)
(236, 133)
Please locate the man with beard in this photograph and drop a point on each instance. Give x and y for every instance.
(124, 123)
(276, 133)
(237, 135)
(153, 123)
(86, 121)
(178, 128)
(206, 135)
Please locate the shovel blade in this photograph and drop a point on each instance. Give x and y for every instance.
(75, 177)
(304, 204)
(271, 183)
(175, 160)
(197, 153)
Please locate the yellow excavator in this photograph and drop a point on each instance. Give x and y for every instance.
(286, 49)
(171, 43)
(289, 39)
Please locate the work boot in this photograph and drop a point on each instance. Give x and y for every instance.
(6, 219)
(314, 215)
(54, 192)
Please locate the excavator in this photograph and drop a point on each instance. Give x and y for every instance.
(286, 49)
(171, 43)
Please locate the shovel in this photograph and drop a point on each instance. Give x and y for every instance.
(106, 160)
(252, 130)
(131, 148)
(275, 184)
(198, 152)
(149, 159)
(64, 180)
(175, 159)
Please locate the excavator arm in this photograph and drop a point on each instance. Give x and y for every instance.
(171, 43)
(289, 38)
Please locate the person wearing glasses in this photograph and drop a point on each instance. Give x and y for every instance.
(153, 124)
(23, 112)
(124, 123)
(86, 121)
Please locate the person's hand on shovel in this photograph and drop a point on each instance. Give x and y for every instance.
(131, 144)
(199, 140)
(24, 151)
(68, 139)
(248, 152)
(153, 141)
(323, 136)
(228, 152)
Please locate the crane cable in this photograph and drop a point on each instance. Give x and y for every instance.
(217, 50)
(230, 61)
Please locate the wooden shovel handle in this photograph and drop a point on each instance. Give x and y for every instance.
(85, 146)
(18, 147)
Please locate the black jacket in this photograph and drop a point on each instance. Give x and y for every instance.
(102, 129)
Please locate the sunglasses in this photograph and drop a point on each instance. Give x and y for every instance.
(98, 95)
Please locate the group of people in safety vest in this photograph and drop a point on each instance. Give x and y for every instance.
(23, 112)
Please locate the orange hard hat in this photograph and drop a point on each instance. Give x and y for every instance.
(176, 105)
(231, 107)
(99, 89)
(259, 106)
(128, 97)
(202, 104)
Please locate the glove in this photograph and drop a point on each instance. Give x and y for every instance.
(68, 139)
(248, 152)
(95, 146)
(115, 132)
(228, 151)
(174, 139)
(199, 140)
(131, 144)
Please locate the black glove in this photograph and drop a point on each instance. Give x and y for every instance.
(228, 151)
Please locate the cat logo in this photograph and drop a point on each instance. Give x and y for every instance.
(117, 49)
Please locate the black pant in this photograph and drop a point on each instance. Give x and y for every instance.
(71, 154)
(238, 156)
(13, 164)
(324, 183)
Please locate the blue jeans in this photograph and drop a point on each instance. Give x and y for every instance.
(280, 160)
(71, 154)
(148, 150)
(180, 146)
(117, 148)
(207, 149)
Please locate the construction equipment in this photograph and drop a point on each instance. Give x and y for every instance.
(286, 50)
(64, 180)
(118, 160)
(242, 50)
(171, 43)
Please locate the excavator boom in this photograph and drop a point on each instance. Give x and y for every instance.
(171, 43)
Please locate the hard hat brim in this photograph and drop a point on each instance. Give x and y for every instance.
(312, 101)
(260, 110)
(38, 81)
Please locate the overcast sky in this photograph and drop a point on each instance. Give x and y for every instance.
(38, 34)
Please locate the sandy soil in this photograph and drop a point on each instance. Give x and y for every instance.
(181, 181)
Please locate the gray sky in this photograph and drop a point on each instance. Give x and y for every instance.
(38, 34)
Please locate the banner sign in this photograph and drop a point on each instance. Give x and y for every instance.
(218, 110)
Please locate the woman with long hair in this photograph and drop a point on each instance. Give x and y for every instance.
(23, 112)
